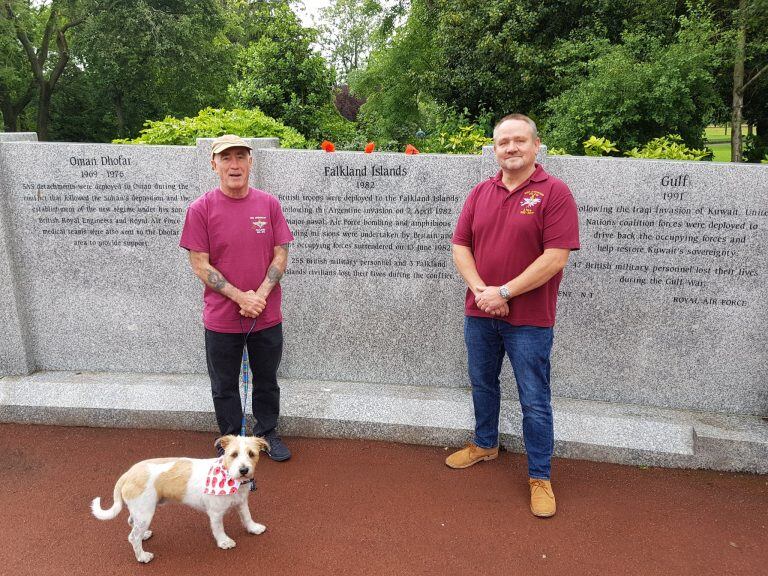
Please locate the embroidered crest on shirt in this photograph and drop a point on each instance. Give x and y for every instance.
(259, 224)
(219, 482)
(531, 199)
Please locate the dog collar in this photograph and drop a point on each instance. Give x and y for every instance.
(218, 482)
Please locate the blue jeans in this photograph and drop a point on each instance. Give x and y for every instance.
(528, 348)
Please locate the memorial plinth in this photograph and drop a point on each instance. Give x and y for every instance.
(661, 314)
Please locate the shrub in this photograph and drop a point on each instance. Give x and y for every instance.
(452, 132)
(464, 140)
(213, 122)
(755, 149)
(334, 127)
(598, 146)
(642, 88)
(670, 147)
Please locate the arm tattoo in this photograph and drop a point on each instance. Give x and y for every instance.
(216, 280)
(285, 246)
(274, 274)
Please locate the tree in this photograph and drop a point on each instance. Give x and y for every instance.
(496, 56)
(164, 57)
(47, 64)
(279, 72)
(17, 85)
(641, 89)
(348, 30)
(397, 77)
(749, 22)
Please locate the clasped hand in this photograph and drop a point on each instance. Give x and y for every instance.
(252, 304)
(490, 301)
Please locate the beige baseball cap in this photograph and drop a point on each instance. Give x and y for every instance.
(228, 141)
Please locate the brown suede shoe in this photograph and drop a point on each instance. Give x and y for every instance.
(542, 498)
(470, 455)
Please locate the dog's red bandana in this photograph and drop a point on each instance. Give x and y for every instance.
(219, 482)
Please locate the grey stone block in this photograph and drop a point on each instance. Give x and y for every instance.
(625, 434)
(93, 230)
(14, 355)
(18, 136)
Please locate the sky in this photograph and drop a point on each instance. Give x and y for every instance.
(311, 7)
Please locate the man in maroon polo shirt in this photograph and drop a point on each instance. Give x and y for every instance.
(238, 239)
(511, 244)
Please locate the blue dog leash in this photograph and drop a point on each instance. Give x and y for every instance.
(245, 374)
(245, 386)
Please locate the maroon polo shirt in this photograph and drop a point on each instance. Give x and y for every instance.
(507, 231)
(239, 235)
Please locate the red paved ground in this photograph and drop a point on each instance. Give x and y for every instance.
(358, 507)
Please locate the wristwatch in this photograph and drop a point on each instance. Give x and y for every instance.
(504, 292)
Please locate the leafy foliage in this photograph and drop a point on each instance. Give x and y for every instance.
(394, 81)
(348, 29)
(451, 132)
(639, 90)
(669, 147)
(156, 63)
(279, 72)
(595, 146)
(755, 148)
(211, 123)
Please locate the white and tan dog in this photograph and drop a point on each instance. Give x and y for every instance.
(213, 486)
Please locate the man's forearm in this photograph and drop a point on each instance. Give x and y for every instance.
(464, 261)
(275, 271)
(212, 278)
(538, 272)
(215, 280)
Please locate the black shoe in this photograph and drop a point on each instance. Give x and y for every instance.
(278, 451)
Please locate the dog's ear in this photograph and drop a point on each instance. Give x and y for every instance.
(259, 443)
(223, 442)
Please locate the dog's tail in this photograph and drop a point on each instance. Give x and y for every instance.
(117, 505)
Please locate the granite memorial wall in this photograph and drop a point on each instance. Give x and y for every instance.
(664, 305)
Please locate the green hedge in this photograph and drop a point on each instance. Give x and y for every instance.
(213, 122)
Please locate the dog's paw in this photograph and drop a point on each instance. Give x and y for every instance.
(226, 543)
(147, 535)
(145, 557)
(255, 528)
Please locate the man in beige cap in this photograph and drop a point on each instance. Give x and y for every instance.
(238, 239)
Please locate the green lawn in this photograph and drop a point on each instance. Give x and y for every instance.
(722, 151)
(720, 142)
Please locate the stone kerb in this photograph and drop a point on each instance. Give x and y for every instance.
(93, 232)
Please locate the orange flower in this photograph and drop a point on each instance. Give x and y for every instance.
(369, 147)
(328, 146)
(409, 149)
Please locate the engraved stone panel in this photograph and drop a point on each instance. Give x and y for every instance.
(371, 294)
(94, 231)
(665, 304)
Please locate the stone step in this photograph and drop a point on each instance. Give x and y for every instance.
(620, 433)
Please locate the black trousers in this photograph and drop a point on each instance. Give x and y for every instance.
(224, 353)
